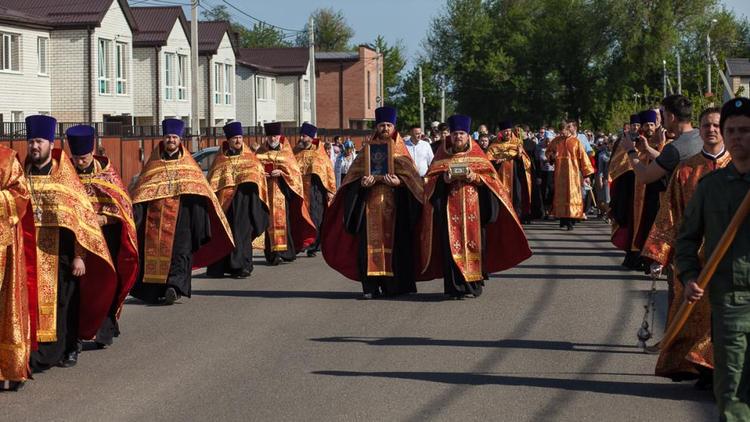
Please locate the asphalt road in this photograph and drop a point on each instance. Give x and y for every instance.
(553, 339)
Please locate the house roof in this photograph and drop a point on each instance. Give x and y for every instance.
(16, 17)
(210, 34)
(279, 61)
(68, 13)
(337, 56)
(156, 23)
(738, 66)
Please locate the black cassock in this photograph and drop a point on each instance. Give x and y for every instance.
(408, 210)
(193, 230)
(248, 218)
(454, 283)
(537, 200)
(290, 254)
(317, 206)
(110, 328)
(68, 299)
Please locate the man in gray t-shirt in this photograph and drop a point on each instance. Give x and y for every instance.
(679, 150)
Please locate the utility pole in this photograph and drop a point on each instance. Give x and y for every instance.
(679, 74)
(708, 55)
(664, 77)
(421, 101)
(442, 102)
(313, 79)
(195, 121)
(378, 83)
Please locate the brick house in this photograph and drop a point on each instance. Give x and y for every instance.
(738, 73)
(217, 100)
(347, 85)
(273, 85)
(161, 59)
(75, 55)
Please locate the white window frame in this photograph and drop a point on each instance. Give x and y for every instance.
(273, 88)
(42, 55)
(182, 69)
(104, 74)
(169, 76)
(16, 117)
(218, 82)
(261, 89)
(228, 83)
(9, 63)
(121, 68)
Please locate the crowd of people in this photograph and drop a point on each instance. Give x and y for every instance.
(450, 204)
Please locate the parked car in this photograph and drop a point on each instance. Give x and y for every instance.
(204, 158)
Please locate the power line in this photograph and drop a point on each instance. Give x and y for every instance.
(260, 20)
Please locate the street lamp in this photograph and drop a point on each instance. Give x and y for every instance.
(708, 55)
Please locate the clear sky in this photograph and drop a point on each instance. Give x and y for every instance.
(406, 20)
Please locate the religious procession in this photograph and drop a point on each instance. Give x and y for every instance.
(306, 231)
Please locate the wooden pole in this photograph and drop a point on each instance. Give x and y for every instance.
(681, 317)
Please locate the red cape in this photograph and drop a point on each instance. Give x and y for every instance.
(507, 245)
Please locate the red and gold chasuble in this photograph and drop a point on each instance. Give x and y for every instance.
(160, 184)
(59, 201)
(315, 161)
(571, 165)
(693, 344)
(339, 247)
(16, 328)
(302, 226)
(464, 222)
(109, 198)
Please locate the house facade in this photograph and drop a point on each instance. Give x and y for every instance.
(738, 74)
(217, 101)
(162, 65)
(274, 84)
(347, 88)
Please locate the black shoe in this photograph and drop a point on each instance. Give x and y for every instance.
(79, 346)
(12, 385)
(241, 274)
(274, 262)
(171, 296)
(101, 346)
(212, 274)
(70, 360)
(311, 253)
(704, 384)
(367, 296)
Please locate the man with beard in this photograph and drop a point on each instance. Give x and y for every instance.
(707, 217)
(290, 228)
(690, 355)
(15, 323)
(180, 222)
(239, 181)
(466, 215)
(484, 141)
(513, 165)
(114, 213)
(571, 166)
(75, 277)
(318, 179)
(370, 236)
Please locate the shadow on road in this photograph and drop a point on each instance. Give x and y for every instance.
(679, 392)
(572, 276)
(506, 344)
(279, 294)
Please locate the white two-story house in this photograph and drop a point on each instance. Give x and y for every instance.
(161, 65)
(217, 101)
(89, 58)
(273, 86)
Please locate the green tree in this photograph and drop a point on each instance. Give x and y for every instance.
(393, 64)
(407, 98)
(332, 32)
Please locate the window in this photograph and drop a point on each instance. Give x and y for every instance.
(121, 68)
(105, 81)
(10, 55)
(307, 96)
(260, 87)
(42, 54)
(369, 92)
(218, 82)
(44, 113)
(182, 69)
(169, 76)
(272, 89)
(229, 78)
(16, 116)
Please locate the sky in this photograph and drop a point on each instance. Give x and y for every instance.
(406, 20)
